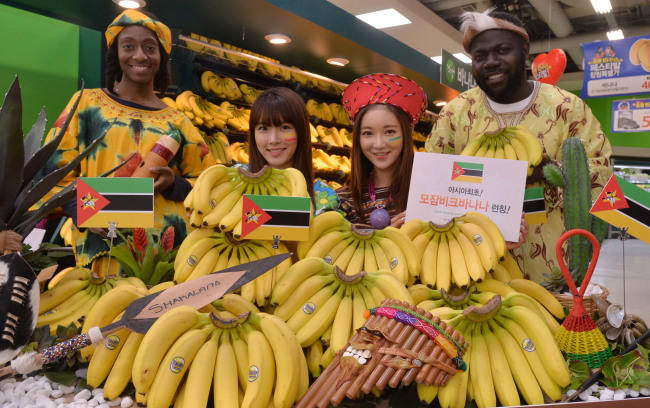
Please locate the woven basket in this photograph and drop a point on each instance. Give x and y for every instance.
(566, 300)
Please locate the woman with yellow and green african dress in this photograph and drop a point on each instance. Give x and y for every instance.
(137, 64)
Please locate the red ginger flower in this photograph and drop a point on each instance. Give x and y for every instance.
(167, 240)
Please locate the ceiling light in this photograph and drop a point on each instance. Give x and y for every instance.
(384, 18)
(601, 6)
(440, 103)
(615, 35)
(341, 62)
(130, 4)
(278, 38)
(464, 58)
(437, 59)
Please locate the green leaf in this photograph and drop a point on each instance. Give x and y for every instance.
(34, 137)
(580, 372)
(12, 155)
(162, 268)
(126, 259)
(147, 264)
(66, 378)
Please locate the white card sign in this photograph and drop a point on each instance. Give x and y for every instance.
(444, 186)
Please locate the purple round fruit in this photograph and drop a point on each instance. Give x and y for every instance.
(379, 218)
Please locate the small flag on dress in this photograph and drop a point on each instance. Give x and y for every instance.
(467, 172)
(122, 200)
(624, 205)
(264, 217)
(534, 205)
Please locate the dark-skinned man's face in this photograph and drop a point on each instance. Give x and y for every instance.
(499, 65)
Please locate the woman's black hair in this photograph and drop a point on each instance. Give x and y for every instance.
(161, 81)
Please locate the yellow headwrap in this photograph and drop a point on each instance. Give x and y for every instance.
(134, 17)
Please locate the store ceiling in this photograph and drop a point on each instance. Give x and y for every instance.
(551, 24)
(318, 30)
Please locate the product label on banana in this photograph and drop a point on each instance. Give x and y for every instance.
(393, 263)
(477, 238)
(253, 373)
(112, 342)
(528, 345)
(192, 260)
(177, 364)
(309, 308)
(327, 259)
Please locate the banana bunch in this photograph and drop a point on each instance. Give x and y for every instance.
(339, 114)
(111, 361)
(206, 250)
(353, 249)
(240, 116)
(238, 60)
(419, 136)
(219, 146)
(512, 143)
(334, 136)
(221, 87)
(249, 93)
(321, 110)
(217, 197)
(238, 152)
(320, 302)
(248, 360)
(72, 296)
(313, 133)
(523, 293)
(512, 353)
(202, 112)
(460, 252)
(329, 162)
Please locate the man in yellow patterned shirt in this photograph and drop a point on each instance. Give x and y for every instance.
(499, 46)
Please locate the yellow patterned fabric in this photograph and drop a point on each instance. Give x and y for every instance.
(135, 130)
(553, 114)
(134, 17)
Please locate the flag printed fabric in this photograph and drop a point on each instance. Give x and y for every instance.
(467, 172)
(534, 205)
(122, 200)
(264, 217)
(624, 205)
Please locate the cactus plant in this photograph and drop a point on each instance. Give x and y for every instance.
(21, 158)
(573, 178)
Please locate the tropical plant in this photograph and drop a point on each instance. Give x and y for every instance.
(21, 159)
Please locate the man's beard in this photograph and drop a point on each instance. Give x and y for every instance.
(516, 79)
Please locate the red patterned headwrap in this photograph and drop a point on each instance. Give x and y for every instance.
(386, 89)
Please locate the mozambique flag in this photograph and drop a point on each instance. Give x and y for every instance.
(264, 217)
(624, 205)
(123, 200)
(534, 205)
(467, 172)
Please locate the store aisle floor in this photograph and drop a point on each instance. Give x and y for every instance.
(609, 273)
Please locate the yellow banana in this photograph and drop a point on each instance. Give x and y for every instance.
(459, 274)
(490, 228)
(59, 293)
(104, 357)
(480, 372)
(502, 376)
(261, 373)
(342, 323)
(443, 264)
(120, 374)
(319, 320)
(539, 293)
(225, 375)
(174, 365)
(482, 243)
(472, 258)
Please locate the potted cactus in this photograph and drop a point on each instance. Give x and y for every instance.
(573, 177)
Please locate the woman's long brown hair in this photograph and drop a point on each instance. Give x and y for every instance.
(361, 166)
(273, 107)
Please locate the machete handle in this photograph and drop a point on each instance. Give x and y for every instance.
(64, 348)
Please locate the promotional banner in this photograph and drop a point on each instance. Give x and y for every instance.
(631, 115)
(444, 186)
(624, 205)
(620, 67)
(122, 200)
(456, 74)
(264, 217)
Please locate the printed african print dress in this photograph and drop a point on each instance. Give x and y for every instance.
(554, 115)
(136, 129)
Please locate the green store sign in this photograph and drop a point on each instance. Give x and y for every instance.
(455, 73)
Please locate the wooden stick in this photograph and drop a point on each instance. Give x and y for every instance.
(306, 399)
(322, 397)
